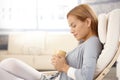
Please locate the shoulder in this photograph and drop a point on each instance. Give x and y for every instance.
(93, 45)
(92, 41)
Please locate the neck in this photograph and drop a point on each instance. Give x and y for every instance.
(89, 35)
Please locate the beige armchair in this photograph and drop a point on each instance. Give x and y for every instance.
(109, 33)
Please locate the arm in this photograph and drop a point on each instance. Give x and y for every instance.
(87, 70)
(91, 52)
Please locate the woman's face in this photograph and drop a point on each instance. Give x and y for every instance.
(80, 29)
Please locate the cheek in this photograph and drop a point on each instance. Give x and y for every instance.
(83, 29)
(82, 32)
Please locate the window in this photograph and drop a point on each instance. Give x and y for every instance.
(52, 13)
(34, 14)
(17, 14)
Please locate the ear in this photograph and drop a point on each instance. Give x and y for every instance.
(88, 21)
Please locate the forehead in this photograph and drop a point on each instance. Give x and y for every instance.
(72, 18)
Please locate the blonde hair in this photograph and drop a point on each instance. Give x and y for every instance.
(84, 11)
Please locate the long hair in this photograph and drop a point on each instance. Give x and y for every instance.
(84, 11)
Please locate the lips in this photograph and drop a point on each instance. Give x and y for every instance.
(75, 35)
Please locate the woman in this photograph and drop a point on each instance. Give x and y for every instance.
(80, 63)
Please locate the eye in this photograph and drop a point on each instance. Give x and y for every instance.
(73, 26)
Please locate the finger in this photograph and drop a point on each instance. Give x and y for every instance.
(54, 63)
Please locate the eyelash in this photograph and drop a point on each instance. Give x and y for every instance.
(74, 26)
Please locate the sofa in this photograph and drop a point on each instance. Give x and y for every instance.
(37, 47)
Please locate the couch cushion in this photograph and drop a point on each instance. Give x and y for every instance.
(60, 40)
(26, 43)
(43, 62)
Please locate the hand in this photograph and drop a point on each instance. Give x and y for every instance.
(60, 63)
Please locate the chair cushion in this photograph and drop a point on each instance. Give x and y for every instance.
(112, 41)
(102, 27)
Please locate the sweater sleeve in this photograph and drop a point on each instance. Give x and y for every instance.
(91, 52)
(71, 72)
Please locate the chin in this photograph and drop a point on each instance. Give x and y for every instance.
(78, 39)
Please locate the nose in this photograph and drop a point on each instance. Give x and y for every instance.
(71, 30)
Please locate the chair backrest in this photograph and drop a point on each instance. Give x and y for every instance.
(109, 32)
